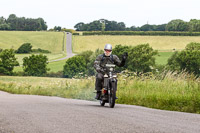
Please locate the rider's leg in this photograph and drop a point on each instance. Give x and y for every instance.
(98, 85)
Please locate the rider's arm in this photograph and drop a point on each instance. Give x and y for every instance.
(118, 62)
(97, 64)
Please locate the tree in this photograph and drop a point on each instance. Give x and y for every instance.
(133, 28)
(147, 27)
(189, 60)
(86, 55)
(194, 25)
(12, 20)
(90, 66)
(193, 46)
(74, 66)
(7, 61)
(35, 65)
(95, 26)
(141, 58)
(3, 24)
(186, 60)
(161, 27)
(79, 26)
(24, 48)
(177, 25)
(172, 63)
(23, 24)
(57, 28)
(119, 51)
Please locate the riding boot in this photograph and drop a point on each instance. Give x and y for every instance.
(98, 95)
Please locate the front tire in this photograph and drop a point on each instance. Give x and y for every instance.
(112, 98)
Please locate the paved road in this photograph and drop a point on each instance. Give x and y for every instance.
(68, 47)
(43, 114)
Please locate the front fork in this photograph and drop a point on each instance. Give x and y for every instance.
(108, 84)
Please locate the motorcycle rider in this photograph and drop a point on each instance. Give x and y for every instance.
(99, 64)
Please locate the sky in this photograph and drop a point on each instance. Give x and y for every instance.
(67, 13)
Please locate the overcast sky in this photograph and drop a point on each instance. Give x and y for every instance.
(67, 13)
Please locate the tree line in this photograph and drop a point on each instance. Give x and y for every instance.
(29, 24)
(105, 25)
(22, 24)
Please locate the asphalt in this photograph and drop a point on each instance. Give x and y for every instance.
(44, 114)
(68, 48)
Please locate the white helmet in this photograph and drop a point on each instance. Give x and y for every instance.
(108, 47)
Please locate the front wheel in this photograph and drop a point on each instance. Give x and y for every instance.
(112, 98)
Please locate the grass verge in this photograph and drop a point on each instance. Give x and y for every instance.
(171, 91)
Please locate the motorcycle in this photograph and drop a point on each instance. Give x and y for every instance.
(108, 93)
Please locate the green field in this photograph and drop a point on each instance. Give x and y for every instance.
(161, 43)
(52, 41)
(162, 57)
(54, 66)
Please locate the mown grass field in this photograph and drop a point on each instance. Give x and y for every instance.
(54, 66)
(161, 43)
(162, 57)
(170, 92)
(52, 41)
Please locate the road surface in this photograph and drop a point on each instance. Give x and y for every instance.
(43, 114)
(68, 47)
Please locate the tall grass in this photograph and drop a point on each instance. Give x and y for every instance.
(168, 91)
(68, 88)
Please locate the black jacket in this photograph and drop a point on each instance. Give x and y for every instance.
(101, 60)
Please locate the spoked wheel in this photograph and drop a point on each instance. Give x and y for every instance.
(112, 98)
(102, 102)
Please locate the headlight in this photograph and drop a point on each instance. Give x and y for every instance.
(114, 76)
(111, 69)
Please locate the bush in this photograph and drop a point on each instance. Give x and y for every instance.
(90, 66)
(193, 46)
(68, 30)
(141, 58)
(189, 60)
(186, 60)
(7, 61)
(74, 66)
(35, 65)
(76, 34)
(39, 50)
(24, 48)
(145, 33)
(86, 55)
(172, 62)
(119, 51)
